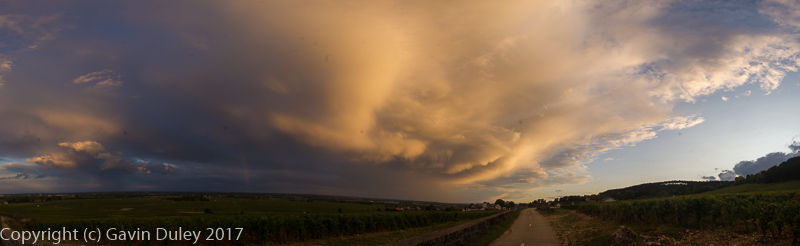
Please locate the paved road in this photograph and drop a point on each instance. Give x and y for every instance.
(530, 229)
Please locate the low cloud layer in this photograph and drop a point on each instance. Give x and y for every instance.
(87, 152)
(25, 176)
(709, 178)
(392, 99)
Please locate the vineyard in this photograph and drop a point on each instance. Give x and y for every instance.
(772, 213)
(273, 228)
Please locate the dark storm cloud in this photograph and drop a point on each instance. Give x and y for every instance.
(382, 98)
(745, 168)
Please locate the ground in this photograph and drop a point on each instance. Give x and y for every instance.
(529, 228)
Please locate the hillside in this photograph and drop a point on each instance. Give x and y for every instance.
(744, 188)
(665, 189)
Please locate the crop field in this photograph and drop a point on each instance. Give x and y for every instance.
(235, 220)
(773, 214)
(159, 207)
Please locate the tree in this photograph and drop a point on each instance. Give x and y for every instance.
(511, 204)
(739, 180)
(500, 202)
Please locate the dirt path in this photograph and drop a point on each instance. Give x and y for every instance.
(529, 229)
(3, 223)
(6, 233)
(17, 243)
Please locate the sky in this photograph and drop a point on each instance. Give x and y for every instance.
(420, 100)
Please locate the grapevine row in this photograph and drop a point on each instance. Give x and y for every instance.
(280, 228)
(769, 213)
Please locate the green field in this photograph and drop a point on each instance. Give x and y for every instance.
(159, 207)
(264, 220)
(745, 188)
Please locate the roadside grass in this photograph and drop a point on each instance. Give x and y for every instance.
(745, 188)
(556, 211)
(494, 232)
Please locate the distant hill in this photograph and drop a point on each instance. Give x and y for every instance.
(665, 189)
(744, 188)
(785, 176)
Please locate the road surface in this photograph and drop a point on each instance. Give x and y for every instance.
(530, 229)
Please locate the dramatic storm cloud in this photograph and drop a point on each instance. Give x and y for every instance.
(419, 100)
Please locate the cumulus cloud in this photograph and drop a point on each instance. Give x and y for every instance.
(50, 161)
(727, 175)
(91, 147)
(483, 98)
